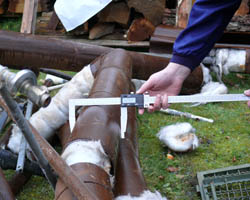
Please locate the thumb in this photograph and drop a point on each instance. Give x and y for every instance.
(145, 87)
(247, 92)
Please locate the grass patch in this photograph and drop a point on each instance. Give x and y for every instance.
(11, 24)
(223, 143)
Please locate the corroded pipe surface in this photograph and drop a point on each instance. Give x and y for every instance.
(89, 174)
(65, 172)
(36, 52)
(61, 168)
(18, 180)
(101, 123)
(5, 191)
(129, 178)
(112, 80)
(247, 67)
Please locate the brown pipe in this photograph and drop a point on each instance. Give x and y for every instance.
(247, 66)
(65, 172)
(5, 191)
(35, 52)
(112, 80)
(18, 180)
(129, 178)
(102, 122)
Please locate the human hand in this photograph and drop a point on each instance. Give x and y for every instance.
(163, 83)
(247, 93)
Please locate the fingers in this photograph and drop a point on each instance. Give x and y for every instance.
(165, 104)
(247, 93)
(140, 111)
(160, 102)
(145, 87)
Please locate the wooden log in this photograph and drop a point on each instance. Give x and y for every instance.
(118, 12)
(152, 10)
(53, 22)
(243, 9)
(169, 17)
(17, 6)
(140, 30)
(101, 29)
(48, 24)
(3, 4)
(29, 16)
(182, 13)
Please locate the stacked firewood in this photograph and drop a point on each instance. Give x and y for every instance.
(134, 20)
(241, 19)
(16, 6)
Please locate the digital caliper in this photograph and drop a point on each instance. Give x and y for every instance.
(144, 101)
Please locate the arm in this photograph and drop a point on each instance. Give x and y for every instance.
(207, 22)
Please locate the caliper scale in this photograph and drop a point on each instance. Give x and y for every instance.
(144, 101)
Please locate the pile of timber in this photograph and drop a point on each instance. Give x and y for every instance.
(15, 7)
(134, 20)
(129, 20)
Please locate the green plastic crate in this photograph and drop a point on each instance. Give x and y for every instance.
(231, 183)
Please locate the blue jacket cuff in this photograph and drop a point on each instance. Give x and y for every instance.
(189, 61)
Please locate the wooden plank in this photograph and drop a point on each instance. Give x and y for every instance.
(182, 13)
(243, 9)
(101, 29)
(152, 10)
(106, 43)
(115, 12)
(17, 6)
(140, 30)
(29, 16)
(53, 22)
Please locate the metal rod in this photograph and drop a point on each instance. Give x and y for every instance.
(56, 73)
(25, 128)
(186, 114)
(21, 155)
(8, 160)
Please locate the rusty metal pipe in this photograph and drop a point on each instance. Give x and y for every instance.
(65, 172)
(36, 52)
(18, 180)
(129, 178)
(101, 123)
(5, 191)
(33, 51)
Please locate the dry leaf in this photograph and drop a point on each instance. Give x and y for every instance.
(169, 156)
(180, 176)
(172, 169)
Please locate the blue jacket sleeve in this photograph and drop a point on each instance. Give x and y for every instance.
(207, 21)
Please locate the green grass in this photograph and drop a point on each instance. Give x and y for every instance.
(11, 24)
(223, 143)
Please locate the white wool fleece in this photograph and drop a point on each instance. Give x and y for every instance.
(86, 152)
(146, 195)
(179, 137)
(47, 120)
